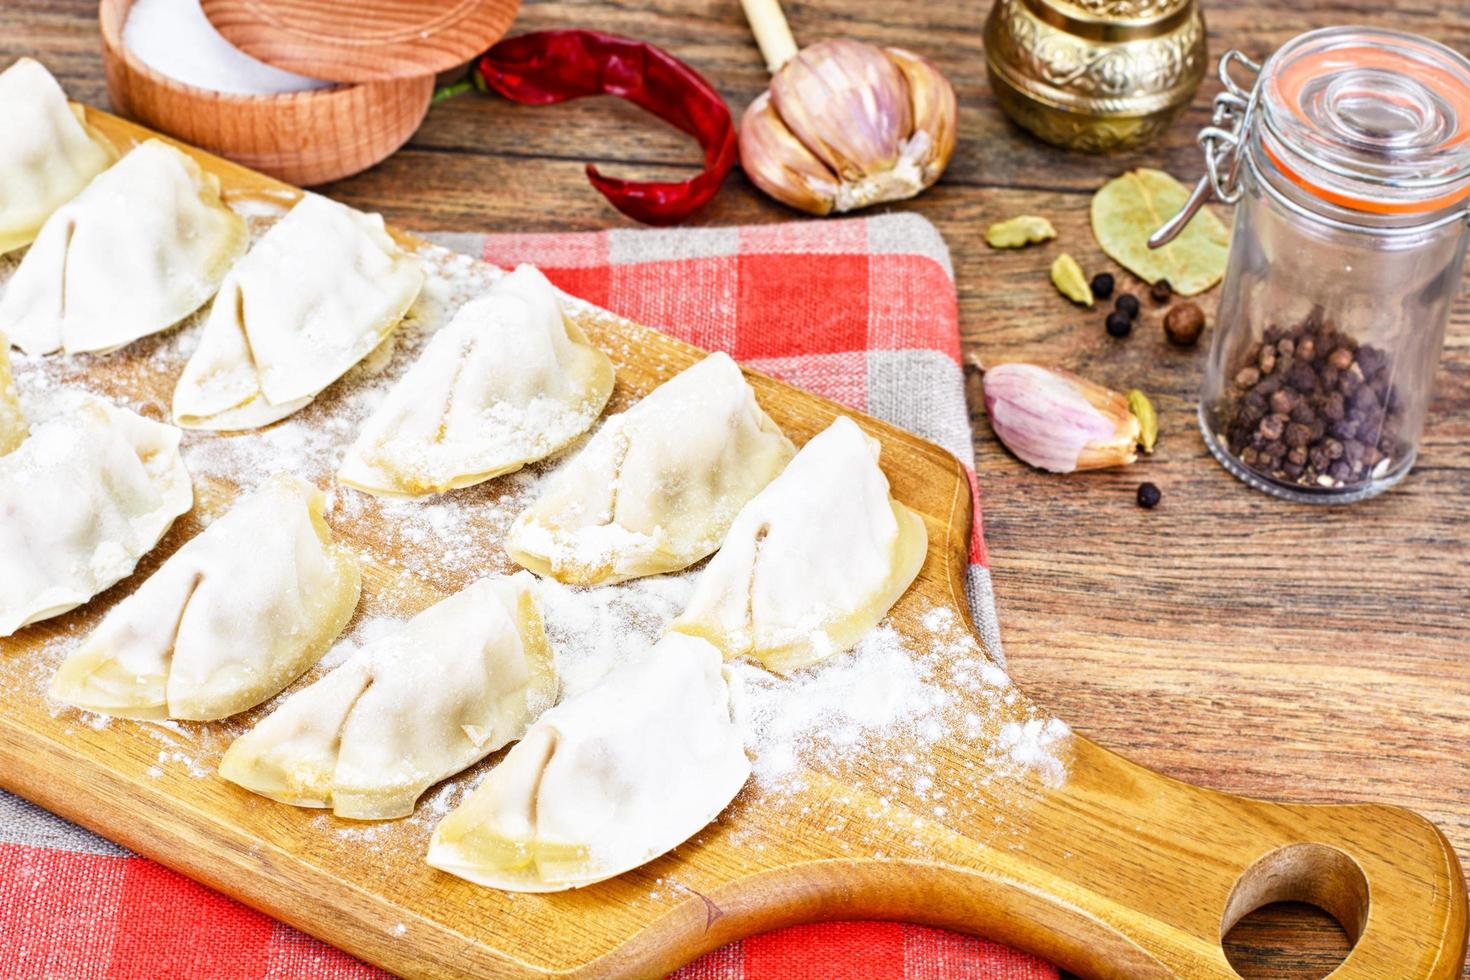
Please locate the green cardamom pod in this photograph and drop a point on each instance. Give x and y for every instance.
(1070, 280)
(1148, 419)
(1020, 231)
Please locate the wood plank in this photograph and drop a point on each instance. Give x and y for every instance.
(1250, 611)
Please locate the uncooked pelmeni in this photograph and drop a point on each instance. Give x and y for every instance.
(13, 426)
(48, 155)
(508, 381)
(458, 681)
(605, 781)
(146, 244)
(813, 562)
(656, 488)
(89, 493)
(319, 291)
(230, 619)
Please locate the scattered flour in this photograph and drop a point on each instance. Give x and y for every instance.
(833, 709)
(914, 693)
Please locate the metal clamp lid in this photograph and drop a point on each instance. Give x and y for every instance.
(1234, 110)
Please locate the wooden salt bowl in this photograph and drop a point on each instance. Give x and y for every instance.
(302, 138)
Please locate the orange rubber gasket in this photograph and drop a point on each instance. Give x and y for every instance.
(1290, 80)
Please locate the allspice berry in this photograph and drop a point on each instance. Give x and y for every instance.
(1183, 324)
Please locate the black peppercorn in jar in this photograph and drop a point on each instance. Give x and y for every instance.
(1349, 162)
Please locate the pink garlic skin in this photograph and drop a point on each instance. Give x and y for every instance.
(846, 125)
(1049, 419)
(847, 103)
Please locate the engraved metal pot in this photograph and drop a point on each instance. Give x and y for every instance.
(1095, 75)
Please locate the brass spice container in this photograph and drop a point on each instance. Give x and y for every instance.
(1095, 75)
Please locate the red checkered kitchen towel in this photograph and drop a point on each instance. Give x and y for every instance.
(862, 311)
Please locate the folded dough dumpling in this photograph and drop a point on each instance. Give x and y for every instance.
(143, 246)
(90, 492)
(813, 562)
(48, 154)
(319, 291)
(230, 619)
(455, 683)
(605, 781)
(508, 381)
(13, 426)
(656, 488)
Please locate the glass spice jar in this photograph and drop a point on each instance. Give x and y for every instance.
(1349, 162)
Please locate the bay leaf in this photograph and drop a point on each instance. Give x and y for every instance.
(1131, 207)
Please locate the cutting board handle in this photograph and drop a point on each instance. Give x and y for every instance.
(1167, 869)
(1122, 872)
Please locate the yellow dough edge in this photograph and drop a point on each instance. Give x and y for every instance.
(909, 550)
(333, 612)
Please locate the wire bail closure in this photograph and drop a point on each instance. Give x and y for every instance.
(1230, 124)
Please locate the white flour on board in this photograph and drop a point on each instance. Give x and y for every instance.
(880, 712)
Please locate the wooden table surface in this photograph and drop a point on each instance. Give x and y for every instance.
(1226, 638)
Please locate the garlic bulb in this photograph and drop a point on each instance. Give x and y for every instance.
(846, 124)
(1056, 421)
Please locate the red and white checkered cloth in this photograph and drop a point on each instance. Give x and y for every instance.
(862, 311)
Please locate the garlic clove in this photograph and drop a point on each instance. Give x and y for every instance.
(935, 113)
(779, 164)
(1057, 421)
(847, 103)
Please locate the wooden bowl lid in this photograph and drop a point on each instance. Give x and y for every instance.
(367, 41)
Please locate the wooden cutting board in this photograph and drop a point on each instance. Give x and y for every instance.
(1113, 871)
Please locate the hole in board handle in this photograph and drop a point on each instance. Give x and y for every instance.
(1314, 874)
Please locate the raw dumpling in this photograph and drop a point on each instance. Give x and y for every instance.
(12, 422)
(48, 154)
(605, 781)
(508, 381)
(146, 244)
(89, 493)
(233, 617)
(317, 293)
(656, 488)
(813, 562)
(455, 683)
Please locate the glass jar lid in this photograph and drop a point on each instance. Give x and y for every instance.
(1370, 120)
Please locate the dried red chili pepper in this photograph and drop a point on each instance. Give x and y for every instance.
(545, 67)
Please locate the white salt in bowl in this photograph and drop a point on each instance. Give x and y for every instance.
(303, 138)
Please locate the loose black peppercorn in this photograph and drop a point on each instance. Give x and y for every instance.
(1102, 285)
(1161, 292)
(1127, 304)
(1119, 325)
(1149, 496)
